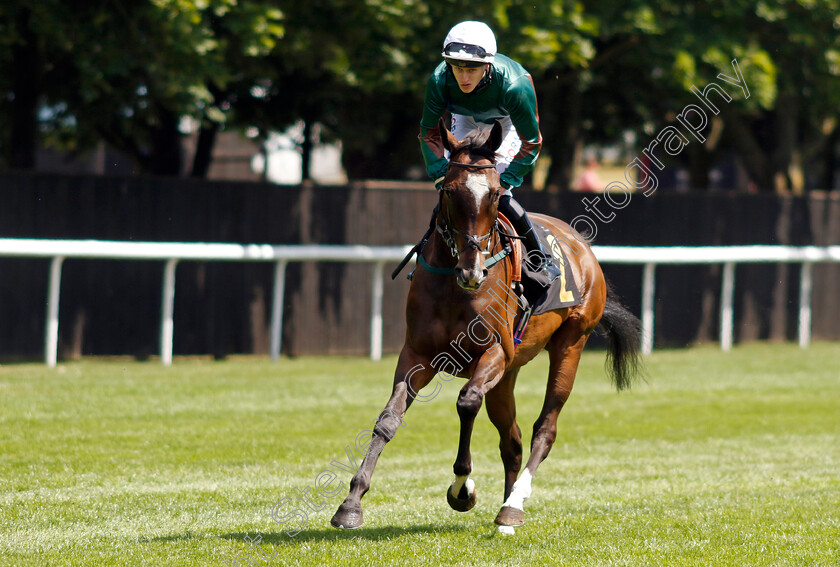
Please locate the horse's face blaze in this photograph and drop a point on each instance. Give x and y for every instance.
(471, 204)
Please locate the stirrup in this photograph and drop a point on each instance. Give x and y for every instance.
(519, 291)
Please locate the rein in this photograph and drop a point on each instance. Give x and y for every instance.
(472, 165)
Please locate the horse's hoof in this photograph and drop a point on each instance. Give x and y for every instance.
(347, 517)
(466, 499)
(509, 516)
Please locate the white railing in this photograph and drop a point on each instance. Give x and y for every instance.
(281, 255)
(651, 256)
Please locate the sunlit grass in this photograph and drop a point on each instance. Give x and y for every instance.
(716, 459)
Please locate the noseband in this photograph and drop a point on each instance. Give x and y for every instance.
(446, 233)
(473, 241)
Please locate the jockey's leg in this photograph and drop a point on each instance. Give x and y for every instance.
(463, 125)
(511, 144)
(539, 257)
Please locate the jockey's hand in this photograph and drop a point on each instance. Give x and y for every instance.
(439, 182)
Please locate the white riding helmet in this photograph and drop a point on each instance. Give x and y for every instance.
(469, 44)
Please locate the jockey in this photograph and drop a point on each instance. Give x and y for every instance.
(478, 86)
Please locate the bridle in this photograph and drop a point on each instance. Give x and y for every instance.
(447, 231)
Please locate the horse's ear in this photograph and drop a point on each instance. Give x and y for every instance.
(448, 138)
(494, 140)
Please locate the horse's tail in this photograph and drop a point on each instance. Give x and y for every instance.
(623, 332)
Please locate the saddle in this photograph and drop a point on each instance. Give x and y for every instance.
(537, 293)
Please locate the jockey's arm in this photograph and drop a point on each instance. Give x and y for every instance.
(431, 144)
(521, 102)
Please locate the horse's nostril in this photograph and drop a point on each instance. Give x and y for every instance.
(484, 272)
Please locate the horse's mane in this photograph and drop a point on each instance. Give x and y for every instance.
(474, 143)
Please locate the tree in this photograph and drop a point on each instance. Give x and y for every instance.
(360, 77)
(129, 72)
(645, 57)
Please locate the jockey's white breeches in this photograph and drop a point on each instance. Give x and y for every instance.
(463, 125)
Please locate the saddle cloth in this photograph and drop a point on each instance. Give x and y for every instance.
(542, 294)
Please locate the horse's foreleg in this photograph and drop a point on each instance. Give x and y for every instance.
(564, 352)
(501, 409)
(461, 495)
(410, 377)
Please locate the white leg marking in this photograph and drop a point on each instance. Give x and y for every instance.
(506, 530)
(521, 491)
(459, 482)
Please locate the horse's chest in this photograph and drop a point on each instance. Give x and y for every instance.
(455, 337)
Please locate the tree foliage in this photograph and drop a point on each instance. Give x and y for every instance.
(129, 72)
(134, 72)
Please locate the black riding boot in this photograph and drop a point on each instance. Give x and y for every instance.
(537, 256)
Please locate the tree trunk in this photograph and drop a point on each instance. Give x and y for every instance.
(786, 141)
(750, 154)
(26, 74)
(306, 150)
(832, 147)
(560, 125)
(166, 153)
(203, 158)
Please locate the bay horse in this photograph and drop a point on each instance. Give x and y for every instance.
(449, 332)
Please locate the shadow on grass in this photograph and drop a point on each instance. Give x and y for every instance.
(333, 534)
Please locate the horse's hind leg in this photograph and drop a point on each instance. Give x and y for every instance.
(565, 348)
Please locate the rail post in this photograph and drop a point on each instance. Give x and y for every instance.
(727, 312)
(53, 299)
(648, 306)
(805, 286)
(377, 293)
(167, 323)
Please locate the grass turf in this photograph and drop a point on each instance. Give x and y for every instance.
(717, 459)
